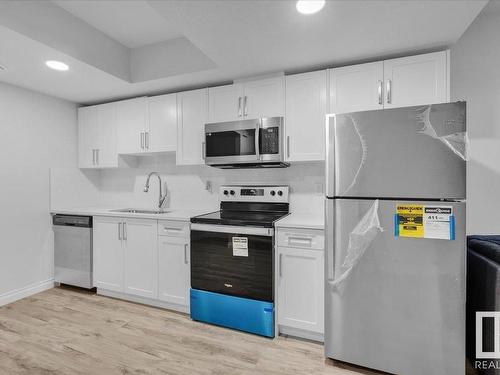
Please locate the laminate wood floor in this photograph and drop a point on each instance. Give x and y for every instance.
(64, 331)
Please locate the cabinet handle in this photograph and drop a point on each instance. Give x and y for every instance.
(389, 91)
(279, 264)
(97, 156)
(120, 231)
(239, 106)
(93, 156)
(185, 254)
(380, 92)
(303, 241)
(245, 106)
(203, 150)
(142, 141)
(288, 146)
(146, 141)
(173, 229)
(125, 231)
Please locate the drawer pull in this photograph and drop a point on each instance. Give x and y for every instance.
(300, 240)
(174, 229)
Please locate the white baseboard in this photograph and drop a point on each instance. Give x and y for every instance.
(300, 333)
(27, 291)
(144, 301)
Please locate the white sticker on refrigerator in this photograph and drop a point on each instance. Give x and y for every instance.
(240, 246)
(439, 222)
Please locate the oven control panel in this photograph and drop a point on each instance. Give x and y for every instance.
(231, 193)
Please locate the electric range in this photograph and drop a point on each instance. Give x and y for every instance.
(232, 253)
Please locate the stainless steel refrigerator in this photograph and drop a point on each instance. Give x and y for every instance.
(395, 221)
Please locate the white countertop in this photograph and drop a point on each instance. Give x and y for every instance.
(298, 220)
(173, 214)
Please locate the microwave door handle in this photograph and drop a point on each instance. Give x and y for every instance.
(257, 136)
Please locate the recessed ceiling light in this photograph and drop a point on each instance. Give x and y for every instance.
(57, 65)
(310, 6)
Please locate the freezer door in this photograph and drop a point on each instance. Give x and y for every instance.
(401, 308)
(411, 152)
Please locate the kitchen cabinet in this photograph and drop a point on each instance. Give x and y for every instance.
(108, 253)
(247, 100)
(161, 133)
(405, 81)
(192, 115)
(305, 116)
(140, 257)
(174, 263)
(300, 282)
(125, 255)
(132, 124)
(97, 136)
(415, 80)
(357, 88)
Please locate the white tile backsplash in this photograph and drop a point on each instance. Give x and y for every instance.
(186, 185)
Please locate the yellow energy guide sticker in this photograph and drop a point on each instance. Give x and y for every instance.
(410, 220)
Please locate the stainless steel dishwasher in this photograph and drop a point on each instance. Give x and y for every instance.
(73, 250)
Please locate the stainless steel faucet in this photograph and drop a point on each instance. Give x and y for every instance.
(162, 197)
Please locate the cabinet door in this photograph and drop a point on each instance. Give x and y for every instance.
(87, 137)
(301, 289)
(173, 270)
(132, 117)
(356, 88)
(192, 113)
(162, 133)
(141, 258)
(107, 155)
(415, 80)
(305, 117)
(264, 98)
(108, 254)
(225, 103)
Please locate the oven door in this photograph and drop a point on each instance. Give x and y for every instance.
(232, 260)
(232, 142)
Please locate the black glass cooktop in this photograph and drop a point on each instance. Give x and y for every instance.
(245, 218)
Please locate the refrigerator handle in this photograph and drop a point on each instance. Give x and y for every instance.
(329, 238)
(329, 156)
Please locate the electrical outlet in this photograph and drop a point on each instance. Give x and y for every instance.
(208, 186)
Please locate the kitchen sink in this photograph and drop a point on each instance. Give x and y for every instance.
(140, 211)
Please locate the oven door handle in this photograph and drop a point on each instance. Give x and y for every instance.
(232, 229)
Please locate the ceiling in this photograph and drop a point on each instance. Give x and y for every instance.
(119, 49)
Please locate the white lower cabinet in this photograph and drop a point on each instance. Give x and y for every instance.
(143, 260)
(140, 251)
(174, 272)
(300, 283)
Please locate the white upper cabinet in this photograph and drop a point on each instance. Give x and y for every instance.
(161, 135)
(305, 111)
(406, 81)
(97, 136)
(225, 103)
(415, 80)
(356, 88)
(132, 124)
(264, 98)
(192, 115)
(247, 100)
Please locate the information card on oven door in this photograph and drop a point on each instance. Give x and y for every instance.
(240, 246)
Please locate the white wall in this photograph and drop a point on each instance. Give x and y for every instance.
(37, 132)
(475, 77)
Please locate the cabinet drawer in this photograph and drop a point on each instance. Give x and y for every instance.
(301, 238)
(173, 228)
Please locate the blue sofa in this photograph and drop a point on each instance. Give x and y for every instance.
(483, 286)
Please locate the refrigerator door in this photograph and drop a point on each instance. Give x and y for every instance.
(401, 308)
(412, 152)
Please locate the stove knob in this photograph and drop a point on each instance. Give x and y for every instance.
(280, 193)
(226, 192)
(273, 193)
(232, 192)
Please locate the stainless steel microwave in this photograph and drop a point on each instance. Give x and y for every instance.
(245, 144)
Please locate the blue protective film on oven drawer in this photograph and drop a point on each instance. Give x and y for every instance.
(233, 312)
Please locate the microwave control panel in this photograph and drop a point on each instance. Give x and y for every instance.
(269, 140)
